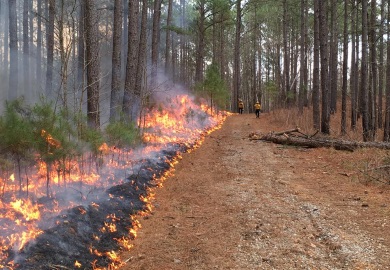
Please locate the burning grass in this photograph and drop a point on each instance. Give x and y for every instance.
(78, 210)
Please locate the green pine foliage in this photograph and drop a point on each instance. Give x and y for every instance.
(57, 137)
(15, 136)
(214, 88)
(122, 134)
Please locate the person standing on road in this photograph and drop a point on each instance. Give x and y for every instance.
(257, 109)
(240, 106)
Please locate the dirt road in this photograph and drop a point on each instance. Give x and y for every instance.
(240, 204)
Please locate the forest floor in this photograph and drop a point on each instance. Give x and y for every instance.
(234, 203)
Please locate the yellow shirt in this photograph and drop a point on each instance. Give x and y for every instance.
(257, 106)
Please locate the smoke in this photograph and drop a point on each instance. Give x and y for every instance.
(76, 215)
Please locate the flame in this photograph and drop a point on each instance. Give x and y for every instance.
(104, 148)
(180, 121)
(50, 140)
(125, 242)
(27, 209)
(77, 264)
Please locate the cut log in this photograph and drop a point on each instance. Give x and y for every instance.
(310, 142)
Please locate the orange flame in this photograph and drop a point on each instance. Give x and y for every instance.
(49, 139)
(181, 121)
(77, 264)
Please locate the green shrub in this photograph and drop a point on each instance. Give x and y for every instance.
(121, 134)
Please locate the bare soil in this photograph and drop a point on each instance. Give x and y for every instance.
(240, 204)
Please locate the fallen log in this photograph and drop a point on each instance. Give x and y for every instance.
(311, 142)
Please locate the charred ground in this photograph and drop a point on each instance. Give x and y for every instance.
(240, 204)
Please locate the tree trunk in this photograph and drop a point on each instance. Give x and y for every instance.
(345, 73)
(286, 77)
(381, 68)
(353, 72)
(81, 55)
(116, 61)
(63, 55)
(323, 33)
(364, 69)
(168, 38)
(140, 81)
(13, 48)
(125, 37)
(155, 42)
(93, 66)
(6, 46)
(357, 61)
(31, 21)
(294, 66)
(131, 68)
(333, 66)
(39, 45)
(182, 43)
(236, 60)
(26, 62)
(258, 66)
(289, 138)
(50, 49)
(373, 74)
(386, 129)
(200, 48)
(302, 87)
(316, 69)
(307, 55)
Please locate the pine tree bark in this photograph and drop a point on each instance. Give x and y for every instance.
(115, 105)
(316, 69)
(131, 68)
(93, 65)
(236, 69)
(323, 31)
(286, 58)
(345, 73)
(155, 41)
(140, 82)
(39, 43)
(302, 87)
(13, 49)
(386, 128)
(26, 62)
(125, 37)
(168, 40)
(200, 48)
(6, 42)
(353, 72)
(364, 69)
(373, 74)
(381, 67)
(81, 53)
(50, 49)
(333, 63)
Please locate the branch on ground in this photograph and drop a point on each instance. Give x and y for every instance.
(297, 138)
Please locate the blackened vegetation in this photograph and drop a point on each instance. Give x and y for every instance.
(78, 235)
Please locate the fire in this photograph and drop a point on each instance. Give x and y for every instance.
(27, 209)
(49, 139)
(125, 243)
(41, 192)
(104, 148)
(77, 264)
(109, 227)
